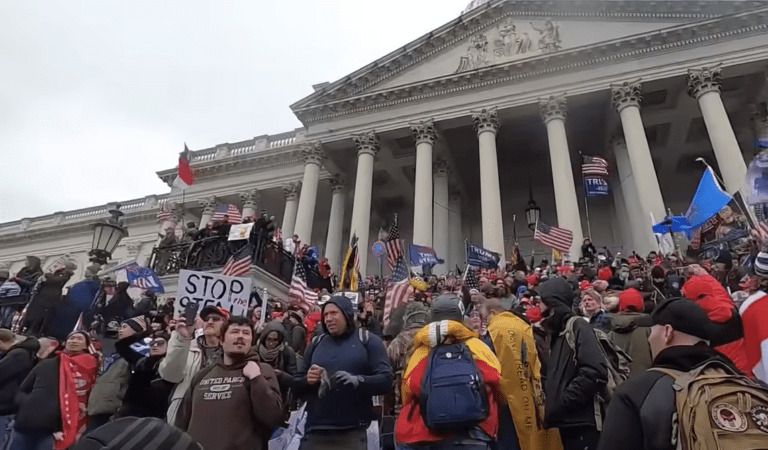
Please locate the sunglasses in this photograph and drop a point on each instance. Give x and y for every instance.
(214, 318)
(158, 343)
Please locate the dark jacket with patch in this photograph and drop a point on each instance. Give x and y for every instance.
(640, 414)
(15, 365)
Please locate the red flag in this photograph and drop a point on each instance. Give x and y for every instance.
(184, 176)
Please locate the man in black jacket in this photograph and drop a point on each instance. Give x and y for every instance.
(19, 356)
(574, 375)
(640, 414)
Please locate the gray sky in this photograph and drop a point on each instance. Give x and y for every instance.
(95, 96)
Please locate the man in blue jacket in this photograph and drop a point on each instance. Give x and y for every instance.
(343, 370)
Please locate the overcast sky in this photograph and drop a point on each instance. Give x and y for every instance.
(95, 96)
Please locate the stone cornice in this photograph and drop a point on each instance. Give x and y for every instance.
(329, 107)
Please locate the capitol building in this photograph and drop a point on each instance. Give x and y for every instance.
(457, 131)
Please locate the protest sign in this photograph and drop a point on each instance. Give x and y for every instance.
(210, 289)
(240, 231)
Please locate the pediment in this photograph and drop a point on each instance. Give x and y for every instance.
(502, 33)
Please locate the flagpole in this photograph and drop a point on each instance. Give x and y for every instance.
(737, 197)
(586, 202)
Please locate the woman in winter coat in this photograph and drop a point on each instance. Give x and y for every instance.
(46, 299)
(52, 399)
(273, 349)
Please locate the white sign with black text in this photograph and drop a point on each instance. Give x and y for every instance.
(210, 289)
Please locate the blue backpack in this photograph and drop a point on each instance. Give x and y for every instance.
(453, 396)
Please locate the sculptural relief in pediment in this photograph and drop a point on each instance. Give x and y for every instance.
(510, 39)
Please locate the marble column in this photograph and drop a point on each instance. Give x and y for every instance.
(367, 145)
(486, 124)
(553, 112)
(630, 198)
(626, 99)
(207, 205)
(313, 158)
(291, 191)
(441, 208)
(335, 223)
(455, 233)
(425, 135)
(704, 85)
(250, 201)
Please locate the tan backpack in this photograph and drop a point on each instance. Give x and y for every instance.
(718, 409)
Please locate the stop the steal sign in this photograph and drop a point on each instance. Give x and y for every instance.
(210, 289)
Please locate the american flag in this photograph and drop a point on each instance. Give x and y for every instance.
(394, 245)
(557, 238)
(229, 210)
(239, 263)
(164, 214)
(398, 291)
(470, 279)
(305, 297)
(594, 166)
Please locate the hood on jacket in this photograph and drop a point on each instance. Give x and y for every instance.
(345, 305)
(556, 291)
(627, 322)
(29, 344)
(274, 325)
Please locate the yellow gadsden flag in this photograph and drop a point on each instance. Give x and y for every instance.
(348, 275)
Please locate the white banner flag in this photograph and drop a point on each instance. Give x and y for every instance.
(240, 231)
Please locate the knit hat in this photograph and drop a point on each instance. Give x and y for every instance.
(131, 433)
(446, 307)
(415, 313)
(605, 273)
(137, 324)
(84, 333)
(532, 280)
(631, 300)
(761, 264)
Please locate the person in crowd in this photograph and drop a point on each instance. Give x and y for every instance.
(190, 232)
(108, 392)
(80, 299)
(272, 348)
(574, 375)
(588, 250)
(640, 416)
(295, 331)
(18, 357)
(754, 311)
(235, 403)
(592, 306)
(147, 303)
(52, 399)
(367, 319)
(186, 355)
(133, 433)
(704, 290)
(343, 369)
(46, 298)
(146, 394)
(27, 277)
(120, 306)
(628, 331)
(446, 326)
(415, 317)
(521, 414)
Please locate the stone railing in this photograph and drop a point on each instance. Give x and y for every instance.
(212, 253)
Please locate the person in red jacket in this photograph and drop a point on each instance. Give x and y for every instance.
(712, 297)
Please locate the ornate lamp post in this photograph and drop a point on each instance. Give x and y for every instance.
(106, 236)
(532, 212)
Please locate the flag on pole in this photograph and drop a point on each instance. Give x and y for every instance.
(144, 278)
(481, 257)
(398, 290)
(348, 279)
(393, 245)
(594, 166)
(470, 278)
(229, 210)
(304, 296)
(184, 175)
(553, 237)
(239, 263)
(164, 214)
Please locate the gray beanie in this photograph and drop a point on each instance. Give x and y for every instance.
(446, 307)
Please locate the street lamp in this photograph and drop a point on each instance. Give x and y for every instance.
(106, 236)
(532, 212)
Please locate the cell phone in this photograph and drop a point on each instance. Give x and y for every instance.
(190, 312)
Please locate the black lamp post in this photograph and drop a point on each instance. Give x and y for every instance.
(532, 212)
(106, 236)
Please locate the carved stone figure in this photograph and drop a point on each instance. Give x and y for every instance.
(549, 36)
(478, 51)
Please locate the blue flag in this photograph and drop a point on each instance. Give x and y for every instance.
(144, 277)
(595, 186)
(480, 257)
(421, 255)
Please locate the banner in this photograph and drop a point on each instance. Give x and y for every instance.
(240, 231)
(595, 186)
(421, 255)
(144, 278)
(480, 257)
(210, 289)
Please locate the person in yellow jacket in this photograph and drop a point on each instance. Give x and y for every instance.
(521, 421)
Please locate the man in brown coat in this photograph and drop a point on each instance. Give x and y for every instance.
(234, 404)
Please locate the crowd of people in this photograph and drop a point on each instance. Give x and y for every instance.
(608, 352)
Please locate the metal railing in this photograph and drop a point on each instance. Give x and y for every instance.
(213, 252)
